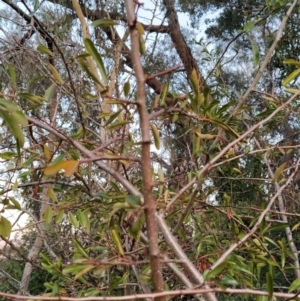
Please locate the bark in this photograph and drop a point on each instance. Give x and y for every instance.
(149, 201)
(178, 39)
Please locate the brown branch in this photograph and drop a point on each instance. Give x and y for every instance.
(149, 201)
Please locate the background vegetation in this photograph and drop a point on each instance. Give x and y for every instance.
(150, 159)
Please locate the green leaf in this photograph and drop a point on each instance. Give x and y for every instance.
(249, 25)
(59, 216)
(290, 77)
(12, 73)
(16, 203)
(14, 127)
(80, 248)
(86, 68)
(7, 155)
(72, 269)
(33, 98)
(47, 215)
(52, 195)
(20, 118)
(44, 50)
(117, 124)
(73, 219)
(8, 105)
(55, 74)
(255, 52)
(126, 88)
(5, 226)
(278, 171)
(117, 240)
(155, 134)
(133, 200)
(91, 49)
(82, 218)
(163, 94)
(85, 269)
(269, 285)
(295, 285)
(49, 92)
(291, 62)
(216, 271)
(104, 23)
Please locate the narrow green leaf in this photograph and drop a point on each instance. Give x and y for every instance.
(104, 23)
(47, 215)
(52, 195)
(86, 68)
(126, 88)
(82, 218)
(14, 127)
(133, 200)
(73, 219)
(216, 271)
(295, 285)
(155, 134)
(91, 49)
(117, 124)
(163, 94)
(290, 77)
(55, 74)
(291, 62)
(20, 118)
(269, 285)
(255, 52)
(5, 226)
(80, 248)
(33, 98)
(15, 202)
(249, 25)
(86, 269)
(44, 50)
(8, 105)
(7, 155)
(278, 171)
(13, 76)
(59, 216)
(49, 92)
(117, 240)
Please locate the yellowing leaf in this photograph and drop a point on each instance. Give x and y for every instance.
(278, 171)
(55, 74)
(70, 168)
(140, 28)
(5, 226)
(142, 45)
(205, 136)
(155, 134)
(47, 152)
(117, 240)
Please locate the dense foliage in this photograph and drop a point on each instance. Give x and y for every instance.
(150, 162)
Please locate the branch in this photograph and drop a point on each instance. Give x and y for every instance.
(257, 224)
(149, 201)
(229, 291)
